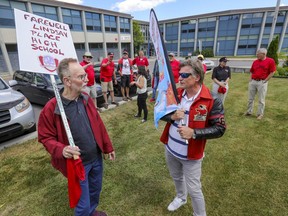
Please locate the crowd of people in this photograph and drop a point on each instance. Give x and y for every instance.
(200, 109)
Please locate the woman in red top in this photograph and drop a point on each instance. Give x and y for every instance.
(141, 60)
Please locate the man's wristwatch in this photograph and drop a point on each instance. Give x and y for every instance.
(193, 135)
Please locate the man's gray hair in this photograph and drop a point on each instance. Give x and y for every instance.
(63, 67)
(262, 50)
(197, 68)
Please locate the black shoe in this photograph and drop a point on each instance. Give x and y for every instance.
(137, 116)
(116, 103)
(143, 120)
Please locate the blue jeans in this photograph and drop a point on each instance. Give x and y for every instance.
(91, 188)
(156, 82)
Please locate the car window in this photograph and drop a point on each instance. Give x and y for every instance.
(3, 85)
(27, 77)
(38, 80)
(57, 79)
(18, 76)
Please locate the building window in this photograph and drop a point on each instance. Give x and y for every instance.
(124, 25)
(45, 11)
(73, 19)
(7, 12)
(110, 23)
(93, 21)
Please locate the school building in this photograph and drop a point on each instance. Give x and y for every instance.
(227, 33)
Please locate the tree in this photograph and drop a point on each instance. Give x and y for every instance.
(273, 48)
(138, 38)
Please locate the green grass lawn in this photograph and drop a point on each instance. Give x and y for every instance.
(244, 173)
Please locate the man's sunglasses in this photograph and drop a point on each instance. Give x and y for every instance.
(185, 75)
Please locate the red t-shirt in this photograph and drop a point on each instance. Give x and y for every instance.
(175, 69)
(140, 61)
(106, 73)
(90, 73)
(261, 69)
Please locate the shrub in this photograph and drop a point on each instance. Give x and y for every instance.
(280, 71)
(272, 49)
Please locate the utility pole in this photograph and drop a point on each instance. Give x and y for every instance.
(274, 21)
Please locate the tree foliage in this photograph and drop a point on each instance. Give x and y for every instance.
(138, 37)
(273, 49)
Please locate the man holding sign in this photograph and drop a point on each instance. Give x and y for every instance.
(89, 134)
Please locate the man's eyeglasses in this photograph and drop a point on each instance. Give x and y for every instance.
(81, 77)
(89, 57)
(185, 75)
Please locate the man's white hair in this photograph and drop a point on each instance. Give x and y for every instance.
(262, 50)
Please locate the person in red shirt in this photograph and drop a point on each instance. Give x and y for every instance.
(175, 66)
(262, 69)
(141, 60)
(87, 65)
(107, 71)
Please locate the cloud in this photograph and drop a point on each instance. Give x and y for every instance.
(72, 1)
(137, 5)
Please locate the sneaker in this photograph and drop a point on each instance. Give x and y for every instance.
(106, 105)
(143, 120)
(99, 213)
(137, 116)
(259, 117)
(176, 203)
(116, 103)
(129, 98)
(152, 100)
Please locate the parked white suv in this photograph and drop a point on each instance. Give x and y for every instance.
(16, 113)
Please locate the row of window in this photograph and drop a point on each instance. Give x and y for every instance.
(70, 17)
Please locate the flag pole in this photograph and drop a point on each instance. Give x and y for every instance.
(63, 115)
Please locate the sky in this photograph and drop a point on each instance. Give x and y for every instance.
(169, 9)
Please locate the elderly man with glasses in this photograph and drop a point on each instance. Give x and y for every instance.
(200, 117)
(89, 133)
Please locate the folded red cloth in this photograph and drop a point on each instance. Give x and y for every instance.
(222, 90)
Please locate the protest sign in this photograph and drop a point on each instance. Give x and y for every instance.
(42, 43)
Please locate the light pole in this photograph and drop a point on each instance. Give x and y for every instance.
(274, 21)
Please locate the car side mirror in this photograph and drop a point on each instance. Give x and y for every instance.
(12, 83)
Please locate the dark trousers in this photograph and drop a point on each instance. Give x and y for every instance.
(91, 188)
(141, 103)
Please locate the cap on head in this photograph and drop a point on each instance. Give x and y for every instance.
(87, 54)
(200, 57)
(110, 54)
(223, 59)
(171, 54)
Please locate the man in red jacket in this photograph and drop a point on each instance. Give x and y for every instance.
(89, 133)
(200, 117)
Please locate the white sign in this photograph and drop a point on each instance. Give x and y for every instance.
(42, 43)
(125, 38)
